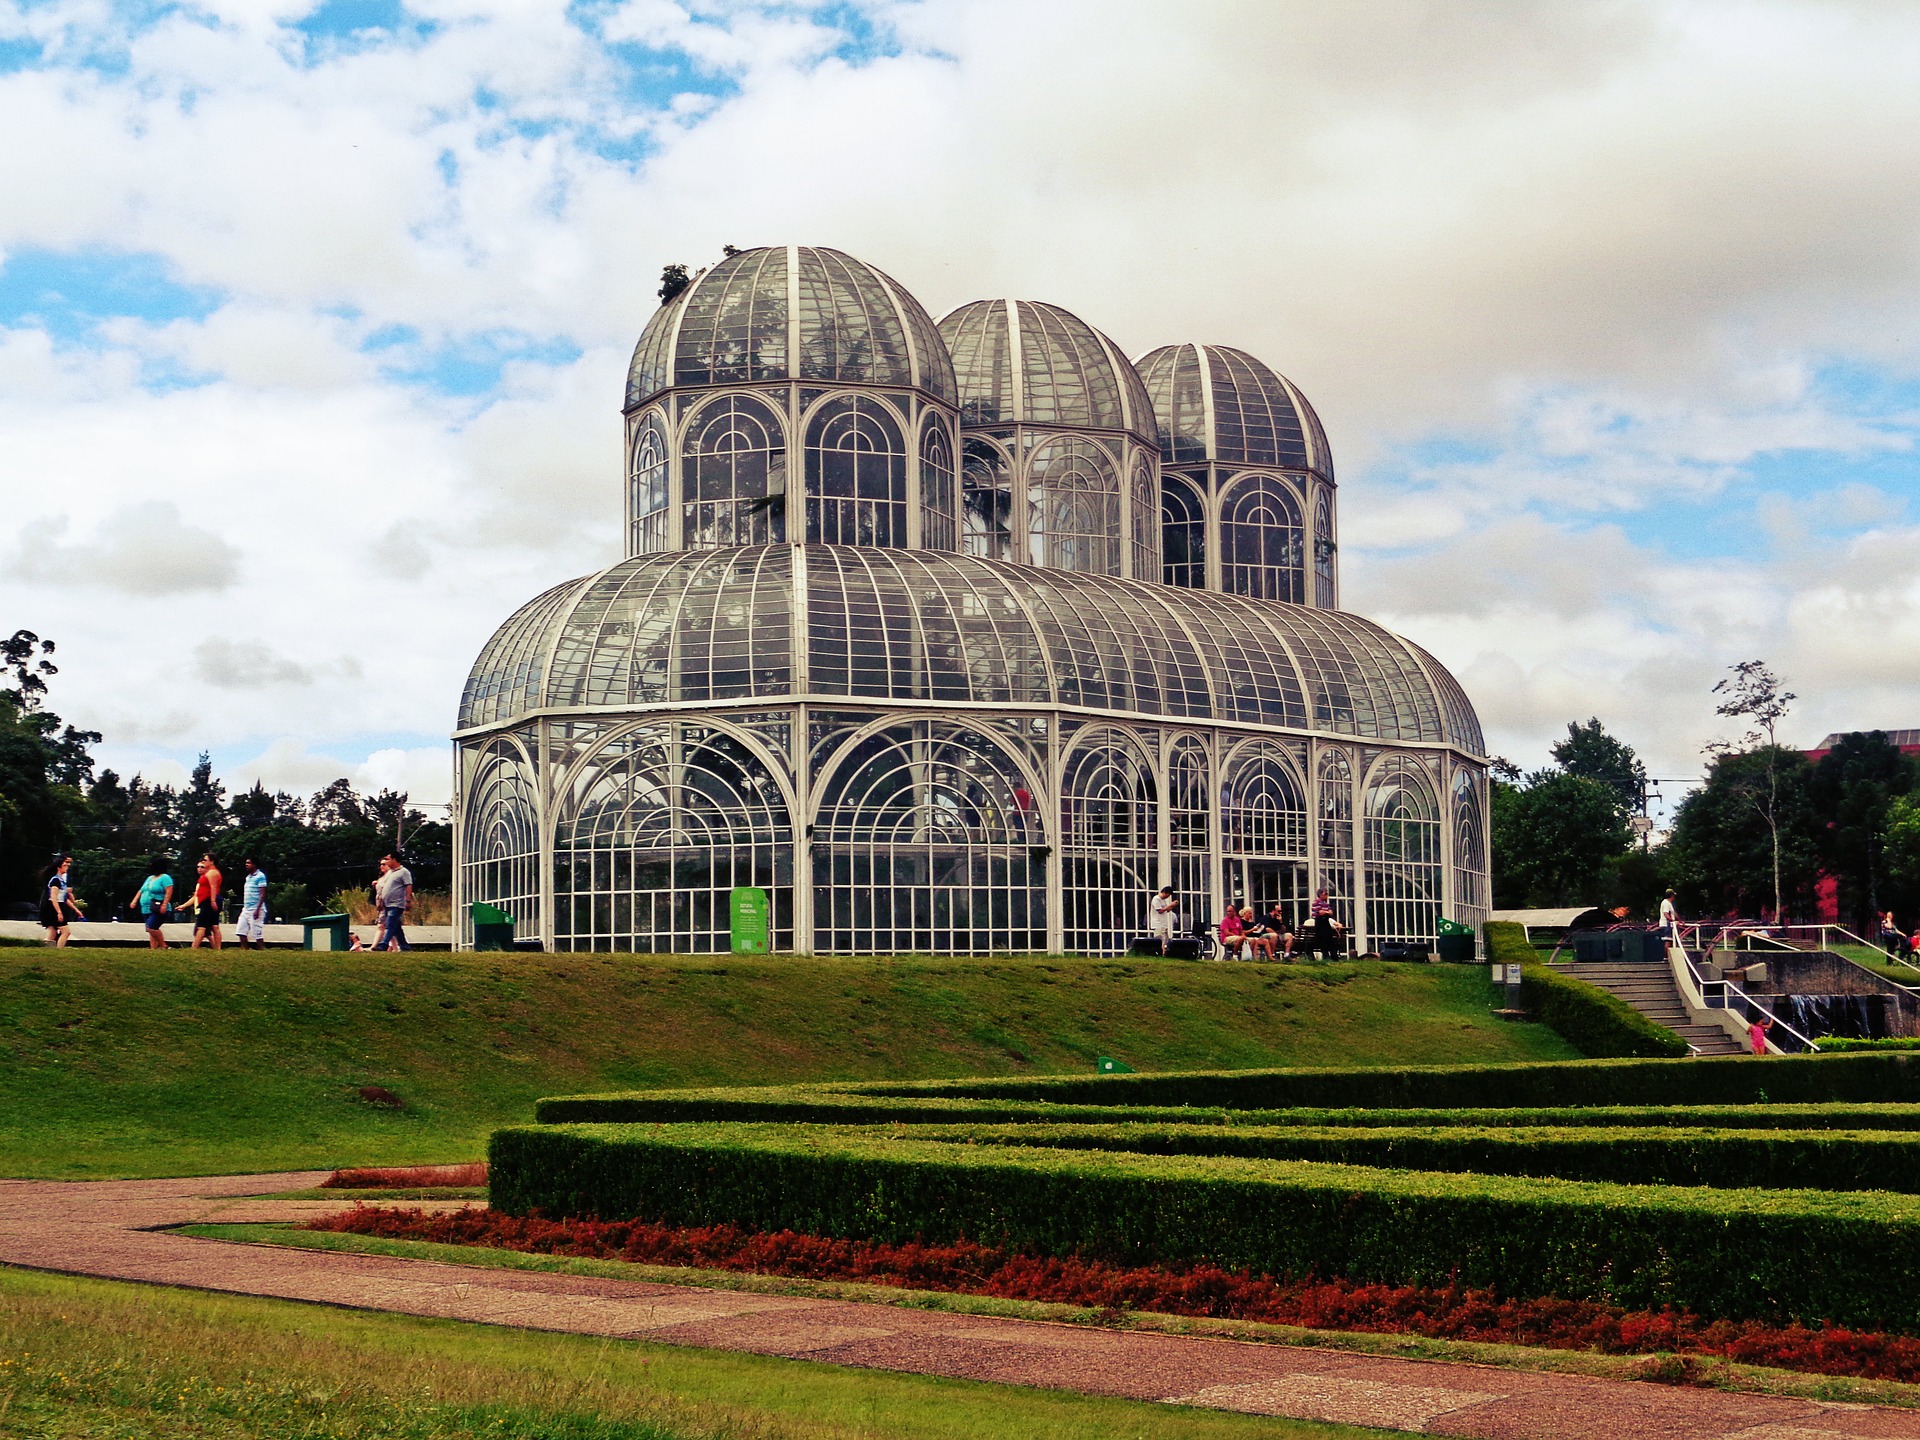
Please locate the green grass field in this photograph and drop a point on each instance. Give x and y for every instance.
(122, 1063)
(97, 1359)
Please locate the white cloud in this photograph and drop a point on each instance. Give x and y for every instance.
(145, 549)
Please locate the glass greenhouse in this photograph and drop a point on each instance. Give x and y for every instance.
(1039, 632)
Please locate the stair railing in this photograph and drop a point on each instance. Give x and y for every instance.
(1716, 992)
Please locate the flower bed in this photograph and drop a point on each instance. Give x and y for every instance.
(1451, 1313)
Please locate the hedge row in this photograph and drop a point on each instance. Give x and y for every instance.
(1850, 1258)
(1722, 1160)
(842, 1105)
(1595, 1022)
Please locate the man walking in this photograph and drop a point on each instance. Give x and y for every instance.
(392, 894)
(253, 907)
(206, 903)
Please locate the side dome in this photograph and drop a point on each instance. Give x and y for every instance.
(790, 312)
(1026, 361)
(927, 626)
(1221, 404)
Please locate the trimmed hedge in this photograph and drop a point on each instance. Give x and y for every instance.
(1594, 1021)
(1721, 1160)
(1840, 1045)
(846, 1105)
(1853, 1259)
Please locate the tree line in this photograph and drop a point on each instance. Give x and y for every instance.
(54, 800)
(1755, 838)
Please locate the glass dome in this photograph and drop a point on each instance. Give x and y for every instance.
(790, 312)
(1221, 404)
(1068, 372)
(943, 628)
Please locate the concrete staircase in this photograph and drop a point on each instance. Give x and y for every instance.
(1650, 989)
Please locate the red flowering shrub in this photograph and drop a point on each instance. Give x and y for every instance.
(1199, 1290)
(407, 1177)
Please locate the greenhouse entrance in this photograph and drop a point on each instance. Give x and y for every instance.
(1260, 883)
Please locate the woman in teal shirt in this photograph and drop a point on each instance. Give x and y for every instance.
(154, 901)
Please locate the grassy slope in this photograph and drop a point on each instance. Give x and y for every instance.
(93, 1358)
(192, 1062)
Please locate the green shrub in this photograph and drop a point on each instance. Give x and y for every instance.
(1593, 1021)
(1850, 1258)
(1838, 1045)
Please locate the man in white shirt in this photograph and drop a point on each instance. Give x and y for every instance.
(1669, 919)
(392, 894)
(253, 908)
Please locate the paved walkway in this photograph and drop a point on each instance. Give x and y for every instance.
(108, 1229)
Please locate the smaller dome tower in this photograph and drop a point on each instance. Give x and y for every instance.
(1247, 487)
(1059, 456)
(791, 360)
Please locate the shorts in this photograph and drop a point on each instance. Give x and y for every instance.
(156, 918)
(206, 917)
(1162, 928)
(51, 918)
(253, 923)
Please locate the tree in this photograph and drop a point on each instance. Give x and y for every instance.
(1554, 839)
(1591, 753)
(1755, 695)
(336, 805)
(251, 808)
(673, 280)
(29, 675)
(1902, 844)
(1721, 858)
(1851, 791)
(201, 811)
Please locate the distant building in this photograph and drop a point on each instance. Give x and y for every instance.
(957, 638)
(1908, 742)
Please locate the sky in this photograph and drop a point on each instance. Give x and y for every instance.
(314, 320)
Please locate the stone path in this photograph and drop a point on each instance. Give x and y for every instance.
(114, 1229)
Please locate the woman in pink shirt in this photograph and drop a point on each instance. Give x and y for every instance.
(1233, 932)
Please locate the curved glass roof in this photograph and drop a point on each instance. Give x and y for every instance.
(936, 627)
(1217, 403)
(1021, 360)
(789, 312)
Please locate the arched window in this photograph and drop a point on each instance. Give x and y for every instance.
(1183, 534)
(1188, 787)
(928, 840)
(647, 487)
(500, 823)
(653, 833)
(1263, 828)
(856, 474)
(1335, 811)
(1469, 845)
(986, 501)
(1145, 518)
(1109, 844)
(1401, 828)
(1324, 549)
(936, 486)
(1261, 539)
(734, 476)
(1073, 507)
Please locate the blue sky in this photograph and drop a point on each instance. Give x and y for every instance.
(313, 325)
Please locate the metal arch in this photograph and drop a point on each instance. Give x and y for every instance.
(778, 769)
(827, 769)
(1209, 421)
(1319, 453)
(915, 365)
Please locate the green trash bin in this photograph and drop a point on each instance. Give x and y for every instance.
(326, 932)
(1454, 943)
(492, 927)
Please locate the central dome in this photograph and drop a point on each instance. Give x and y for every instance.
(1221, 404)
(1024, 361)
(790, 312)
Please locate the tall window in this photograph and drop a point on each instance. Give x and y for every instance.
(1260, 540)
(1187, 801)
(856, 474)
(647, 488)
(1402, 832)
(1109, 842)
(1073, 507)
(936, 486)
(986, 500)
(500, 815)
(1469, 846)
(1324, 549)
(734, 476)
(1145, 516)
(1183, 534)
(1335, 810)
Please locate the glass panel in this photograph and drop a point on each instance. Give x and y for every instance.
(1183, 534)
(647, 487)
(735, 328)
(1173, 379)
(733, 475)
(1262, 540)
(987, 501)
(937, 519)
(1109, 845)
(856, 475)
(1073, 507)
(1401, 829)
(1324, 548)
(500, 830)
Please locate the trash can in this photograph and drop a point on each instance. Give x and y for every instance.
(492, 928)
(1454, 943)
(326, 932)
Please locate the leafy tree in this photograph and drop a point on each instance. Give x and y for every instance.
(1554, 839)
(673, 280)
(251, 808)
(1590, 752)
(1902, 841)
(201, 811)
(43, 766)
(23, 657)
(336, 805)
(1755, 694)
(1851, 791)
(1724, 856)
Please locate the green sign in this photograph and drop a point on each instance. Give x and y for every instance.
(748, 908)
(1107, 1065)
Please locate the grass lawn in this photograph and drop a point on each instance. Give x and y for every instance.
(96, 1358)
(124, 1063)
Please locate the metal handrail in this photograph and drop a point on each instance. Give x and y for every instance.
(1701, 982)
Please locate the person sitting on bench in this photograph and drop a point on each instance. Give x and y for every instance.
(1260, 937)
(1233, 933)
(1282, 929)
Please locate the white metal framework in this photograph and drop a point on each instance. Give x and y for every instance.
(1034, 638)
